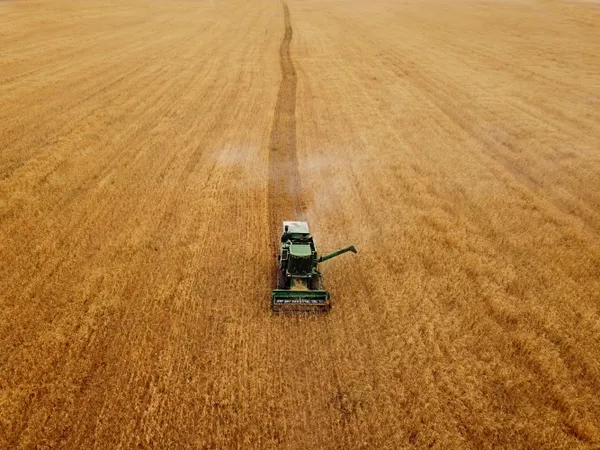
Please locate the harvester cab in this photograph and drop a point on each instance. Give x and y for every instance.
(299, 282)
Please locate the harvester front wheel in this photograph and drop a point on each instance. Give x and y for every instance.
(281, 280)
(315, 283)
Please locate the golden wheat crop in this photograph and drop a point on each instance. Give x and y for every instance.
(149, 151)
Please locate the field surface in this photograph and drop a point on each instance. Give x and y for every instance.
(149, 151)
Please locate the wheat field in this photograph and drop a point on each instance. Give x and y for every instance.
(149, 151)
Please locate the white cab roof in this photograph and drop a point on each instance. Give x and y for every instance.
(296, 227)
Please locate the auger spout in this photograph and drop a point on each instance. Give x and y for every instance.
(336, 253)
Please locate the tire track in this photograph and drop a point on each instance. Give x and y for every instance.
(285, 186)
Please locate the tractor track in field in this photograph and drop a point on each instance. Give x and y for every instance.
(285, 185)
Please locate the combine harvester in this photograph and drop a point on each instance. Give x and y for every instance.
(299, 282)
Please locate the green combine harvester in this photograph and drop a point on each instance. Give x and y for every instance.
(299, 282)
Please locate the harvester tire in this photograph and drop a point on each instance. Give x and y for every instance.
(281, 280)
